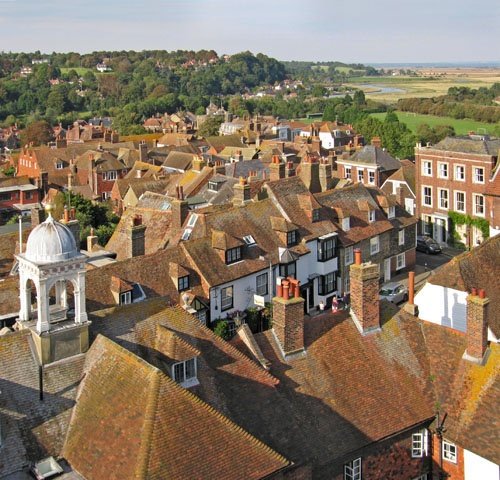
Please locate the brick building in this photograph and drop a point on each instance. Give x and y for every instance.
(18, 195)
(458, 175)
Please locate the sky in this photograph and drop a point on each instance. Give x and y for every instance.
(360, 31)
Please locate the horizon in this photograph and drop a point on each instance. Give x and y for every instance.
(385, 32)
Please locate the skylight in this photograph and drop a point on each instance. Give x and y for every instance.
(186, 234)
(249, 240)
(192, 220)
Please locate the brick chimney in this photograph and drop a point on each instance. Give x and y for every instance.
(241, 193)
(477, 326)
(198, 163)
(288, 318)
(276, 169)
(91, 240)
(365, 309)
(325, 174)
(69, 219)
(290, 170)
(37, 216)
(143, 151)
(137, 244)
(180, 208)
(309, 173)
(316, 144)
(219, 168)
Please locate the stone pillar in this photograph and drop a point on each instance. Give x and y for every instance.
(24, 298)
(79, 299)
(42, 298)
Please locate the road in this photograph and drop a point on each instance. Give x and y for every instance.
(431, 262)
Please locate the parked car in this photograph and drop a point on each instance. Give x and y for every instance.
(394, 292)
(427, 244)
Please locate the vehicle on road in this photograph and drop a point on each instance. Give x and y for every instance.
(394, 292)
(427, 244)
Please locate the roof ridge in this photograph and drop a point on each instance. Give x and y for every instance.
(149, 424)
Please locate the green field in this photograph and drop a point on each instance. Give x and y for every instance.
(462, 127)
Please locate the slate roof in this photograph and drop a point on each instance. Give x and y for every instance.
(475, 269)
(478, 145)
(375, 156)
(405, 174)
(129, 411)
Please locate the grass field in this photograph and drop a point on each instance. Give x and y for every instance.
(462, 127)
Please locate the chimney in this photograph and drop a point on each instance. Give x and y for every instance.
(143, 151)
(70, 182)
(180, 209)
(198, 163)
(91, 240)
(241, 193)
(69, 219)
(364, 295)
(37, 216)
(44, 180)
(276, 168)
(288, 318)
(410, 306)
(219, 168)
(309, 173)
(137, 245)
(325, 174)
(376, 142)
(290, 171)
(477, 326)
(316, 144)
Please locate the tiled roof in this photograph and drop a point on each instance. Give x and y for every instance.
(225, 141)
(475, 269)
(178, 160)
(405, 174)
(376, 156)
(147, 426)
(476, 146)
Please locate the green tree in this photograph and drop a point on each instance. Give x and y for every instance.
(221, 329)
(210, 126)
(38, 133)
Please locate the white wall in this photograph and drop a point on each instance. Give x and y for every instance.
(478, 468)
(443, 306)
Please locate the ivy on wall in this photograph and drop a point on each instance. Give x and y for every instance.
(457, 218)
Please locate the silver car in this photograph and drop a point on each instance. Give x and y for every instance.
(394, 292)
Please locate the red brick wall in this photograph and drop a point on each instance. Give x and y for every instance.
(477, 326)
(288, 323)
(28, 164)
(454, 470)
(364, 289)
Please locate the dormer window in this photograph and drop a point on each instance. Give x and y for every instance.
(371, 216)
(326, 248)
(233, 255)
(59, 165)
(346, 224)
(249, 240)
(183, 283)
(185, 372)
(291, 238)
(391, 212)
(125, 298)
(109, 176)
(347, 172)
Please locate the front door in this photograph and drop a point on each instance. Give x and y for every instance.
(387, 269)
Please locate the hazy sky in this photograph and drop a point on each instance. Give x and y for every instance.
(357, 31)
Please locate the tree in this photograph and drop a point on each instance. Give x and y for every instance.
(38, 133)
(210, 126)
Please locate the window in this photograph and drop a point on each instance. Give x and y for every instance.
(352, 470)
(347, 171)
(326, 283)
(288, 270)
(5, 196)
(427, 168)
(449, 451)
(479, 205)
(226, 298)
(59, 165)
(125, 298)
(291, 238)
(261, 284)
(442, 170)
(326, 249)
(249, 240)
(315, 215)
(106, 196)
(400, 261)
(185, 371)
(233, 255)
(443, 198)
(192, 220)
(419, 444)
(347, 284)
(478, 175)
(111, 175)
(371, 176)
(360, 176)
(460, 173)
(401, 237)
(183, 283)
(460, 201)
(371, 216)
(349, 255)
(346, 224)
(391, 212)
(374, 245)
(427, 196)
(213, 186)
(28, 195)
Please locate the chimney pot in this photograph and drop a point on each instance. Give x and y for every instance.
(411, 287)
(357, 256)
(66, 214)
(286, 289)
(482, 293)
(473, 291)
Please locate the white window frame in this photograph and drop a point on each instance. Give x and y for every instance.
(110, 175)
(224, 298)
(449, 451)
(401, 237)
(419, 444)
(59, 165)
(106, 196)
(477, 174)
(391, 212)
(347, 172)
(462, 210)
(352, 469)
(261, 281)
(126, 298)
(371, 216)
(183, 379)
(374, 245)
(460, 173)
(424, 196)
(481, 212)
(427, 225)
(371, 177)
(443, 170)
(361, 175)
(183, 283)
(427, 168)
(443, 201)
(400, 261)
(346, 224)
(348, 255)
